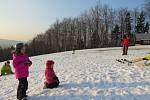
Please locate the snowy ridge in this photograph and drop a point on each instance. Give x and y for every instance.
(87, 75)
(4, 43)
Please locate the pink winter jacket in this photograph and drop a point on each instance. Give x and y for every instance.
(49, 75)
(19, 63)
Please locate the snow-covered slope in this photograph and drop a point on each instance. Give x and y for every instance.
(87, 75)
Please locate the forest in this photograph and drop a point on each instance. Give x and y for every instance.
(98, 27)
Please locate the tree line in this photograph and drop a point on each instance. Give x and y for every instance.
(100, 26)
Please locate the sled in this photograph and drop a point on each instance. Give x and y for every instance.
(130, 63)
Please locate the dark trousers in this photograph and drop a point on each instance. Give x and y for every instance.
(22, 88)
(125, 50)
(52, 85)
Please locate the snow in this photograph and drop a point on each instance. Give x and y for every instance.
(87, 75)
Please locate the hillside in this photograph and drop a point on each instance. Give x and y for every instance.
(90, 74)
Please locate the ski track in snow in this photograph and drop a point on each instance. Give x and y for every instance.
(87, 75)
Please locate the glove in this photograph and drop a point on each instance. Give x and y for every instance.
(29, 63)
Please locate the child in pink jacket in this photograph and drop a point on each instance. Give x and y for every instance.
(51, 80)
(21, 64)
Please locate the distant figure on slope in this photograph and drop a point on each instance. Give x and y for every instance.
(125, 44)
(21, 64)
(51, 80)
(6, 69)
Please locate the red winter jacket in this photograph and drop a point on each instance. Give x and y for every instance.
(125, 41)
(49, 75)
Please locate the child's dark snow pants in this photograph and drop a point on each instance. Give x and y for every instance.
(51, 86)
(22, 88)
(125, 50)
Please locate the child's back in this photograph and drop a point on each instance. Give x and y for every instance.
(49, 75)
(21, 70)
(51, 80)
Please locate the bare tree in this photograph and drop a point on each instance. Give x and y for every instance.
(147, 7)
(92, 29)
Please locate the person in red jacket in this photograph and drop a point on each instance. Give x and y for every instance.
(51, 80)
(125, 44)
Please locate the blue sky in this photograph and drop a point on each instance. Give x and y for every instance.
(23, 19)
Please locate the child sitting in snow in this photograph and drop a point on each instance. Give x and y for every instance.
(6, 69)
(51, 80)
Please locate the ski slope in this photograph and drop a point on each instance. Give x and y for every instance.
(87, 75)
